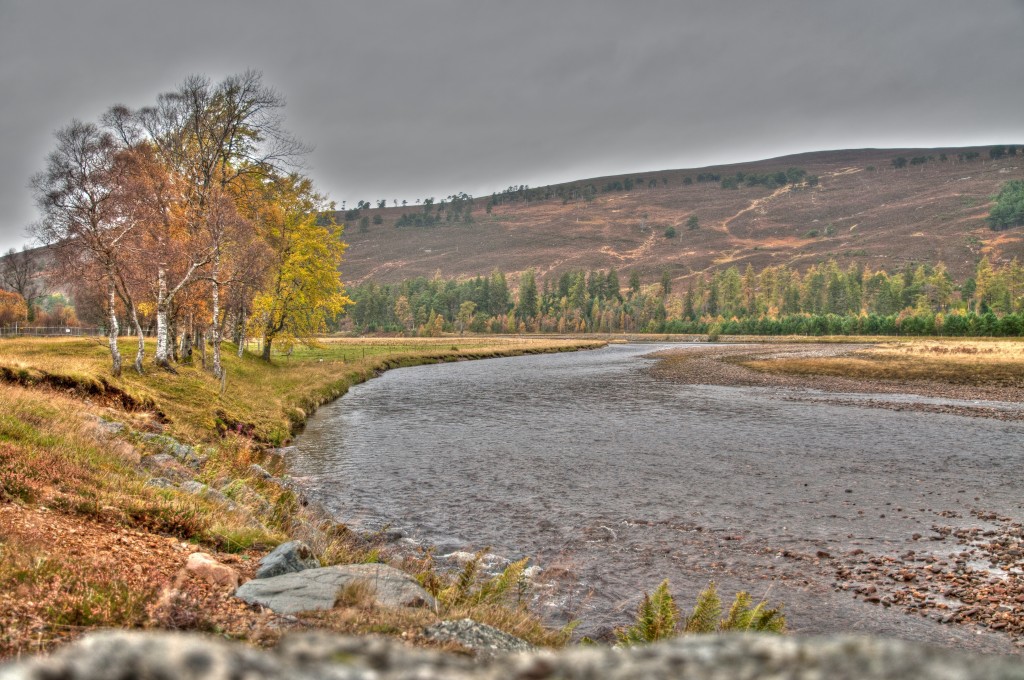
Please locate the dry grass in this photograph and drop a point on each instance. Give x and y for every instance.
(84, 540)
(953, 362)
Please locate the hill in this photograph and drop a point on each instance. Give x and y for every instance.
(860, 209)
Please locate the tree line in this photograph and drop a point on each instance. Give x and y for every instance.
(824, 298)
(188, 214)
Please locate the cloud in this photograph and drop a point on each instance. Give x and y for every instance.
(410, 99)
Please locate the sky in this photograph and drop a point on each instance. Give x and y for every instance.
(406, 99)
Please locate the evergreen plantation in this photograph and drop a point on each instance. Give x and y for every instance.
(824, 300)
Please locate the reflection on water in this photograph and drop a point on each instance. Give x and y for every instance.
(586, 462)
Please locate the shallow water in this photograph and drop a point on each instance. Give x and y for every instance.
(614, 480)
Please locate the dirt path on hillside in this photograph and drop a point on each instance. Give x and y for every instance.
(720, 365)
(754, 205)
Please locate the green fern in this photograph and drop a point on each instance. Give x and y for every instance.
(459, 592)
(760, 619)
(656, 619)
(706, 612)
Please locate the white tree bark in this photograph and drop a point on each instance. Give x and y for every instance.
(163, 345)
(115, 353)
(215, 324)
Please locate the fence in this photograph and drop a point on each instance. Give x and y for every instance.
(18, 331)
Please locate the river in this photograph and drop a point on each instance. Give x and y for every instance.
(612, 479)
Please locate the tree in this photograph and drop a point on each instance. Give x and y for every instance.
(364, 224)
(634, 282)
(692, 223)
(666, 283)
(208, 137)
(304, 287)
(465, 316)
(1008, 210)
(527, 308)
(19, 273)
(670, 232)
(79, 195)
(12, 308)
(899, 162)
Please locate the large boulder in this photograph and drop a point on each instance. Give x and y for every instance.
(322, 656)
(313, 589)
(287, 558)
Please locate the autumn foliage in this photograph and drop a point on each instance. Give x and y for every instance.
(188, 215)
(12, 308)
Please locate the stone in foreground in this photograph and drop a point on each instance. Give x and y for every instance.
(287, 558)
(478, 636)
(314, 589)
(322, 656)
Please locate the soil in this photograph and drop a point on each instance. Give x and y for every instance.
(109, 553)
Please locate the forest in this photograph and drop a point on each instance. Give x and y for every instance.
(824, 300)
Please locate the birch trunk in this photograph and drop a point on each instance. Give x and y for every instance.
(141, 351)
(163, 345)
(115, 353)
(241, 336)
(215, 325)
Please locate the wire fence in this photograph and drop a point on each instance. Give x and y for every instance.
(19, 331)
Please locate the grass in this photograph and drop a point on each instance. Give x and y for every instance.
(63, 477)
(975, 363)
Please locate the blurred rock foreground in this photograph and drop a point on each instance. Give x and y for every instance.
(309, 656)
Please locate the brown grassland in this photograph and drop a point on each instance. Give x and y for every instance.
(86, 543)
(863, 211)
(993, 364)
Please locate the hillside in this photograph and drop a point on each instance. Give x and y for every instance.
(861, 210)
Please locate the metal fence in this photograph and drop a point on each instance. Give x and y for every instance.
(18, 331)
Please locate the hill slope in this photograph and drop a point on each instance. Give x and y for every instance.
(861, 210)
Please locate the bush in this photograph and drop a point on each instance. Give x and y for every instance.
(670, 232)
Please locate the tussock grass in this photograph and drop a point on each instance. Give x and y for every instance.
(55, 456)
(954, 362)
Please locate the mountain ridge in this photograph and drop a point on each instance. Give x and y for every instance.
(862, 209)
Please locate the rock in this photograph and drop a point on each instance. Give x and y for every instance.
(312, 589)
(160, 483)
(259, 471)
(322, 656)
(478, 636)
(533, 572)
(111, 427)
(200, 489)
(186, 454)
(206, 567)
(287, 558)
(489, 563)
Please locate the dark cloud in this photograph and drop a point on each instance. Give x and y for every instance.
(418, 98)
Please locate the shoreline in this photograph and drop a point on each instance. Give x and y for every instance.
(727, 366)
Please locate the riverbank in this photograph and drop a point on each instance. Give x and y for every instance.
(109, 486)
(966, 569)
(948, 370)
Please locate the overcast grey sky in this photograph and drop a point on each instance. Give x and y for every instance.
(430, 97)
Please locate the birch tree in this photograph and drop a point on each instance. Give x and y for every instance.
(304, 285)
(210, 137)
(78, 195)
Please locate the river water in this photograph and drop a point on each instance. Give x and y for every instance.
(612, 479)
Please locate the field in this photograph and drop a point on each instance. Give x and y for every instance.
(88, 541)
